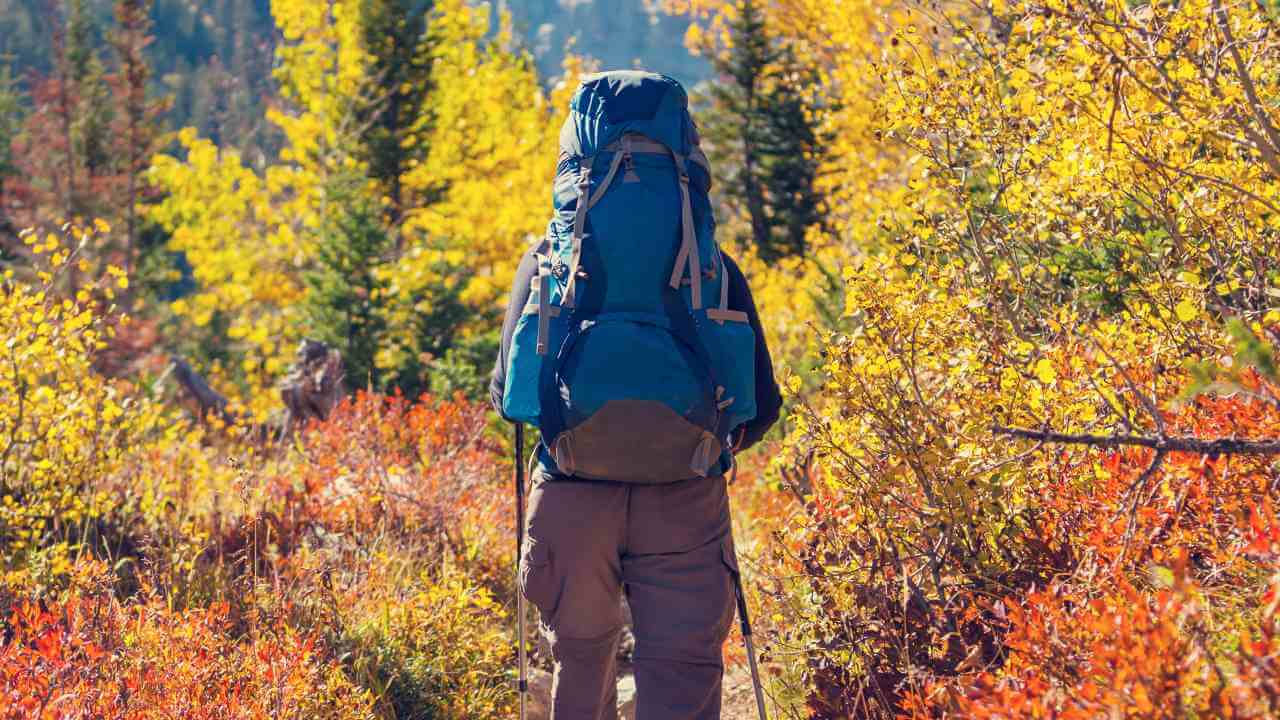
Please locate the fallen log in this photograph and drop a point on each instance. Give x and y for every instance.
(208, 400)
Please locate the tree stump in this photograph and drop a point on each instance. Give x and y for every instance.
(314, 385)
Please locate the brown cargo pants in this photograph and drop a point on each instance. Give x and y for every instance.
(671, 547)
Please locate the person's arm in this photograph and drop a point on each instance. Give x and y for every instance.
(520, 291)
(768, 396)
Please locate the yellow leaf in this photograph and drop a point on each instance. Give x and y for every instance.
(1186, 311)
(1045, 372)
(793, 383)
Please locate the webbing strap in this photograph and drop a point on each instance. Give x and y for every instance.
(687, 260)
(579, 225)
(724, 282)
(618, 158)
(644, 145)
(533, 306)
(721, 316)
(534, 309)
(723, 313)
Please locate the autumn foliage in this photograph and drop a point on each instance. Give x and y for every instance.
(1029, 464)
(92, 657)
(158, 567)
(1054, 226)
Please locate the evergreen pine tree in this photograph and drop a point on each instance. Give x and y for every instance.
(396, 35)
(790, 152)
(762, 136)
(343, 305)
(78, 49)
(138, 126)
(84, 112)
(11, 103)
(93, 132)
(68, 45)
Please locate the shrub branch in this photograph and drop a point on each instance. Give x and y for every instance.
(1217, 446)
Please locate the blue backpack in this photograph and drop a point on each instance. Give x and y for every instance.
(627, 357)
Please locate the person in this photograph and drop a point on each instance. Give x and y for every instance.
(668, 546)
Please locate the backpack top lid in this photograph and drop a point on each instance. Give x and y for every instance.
(610, 104)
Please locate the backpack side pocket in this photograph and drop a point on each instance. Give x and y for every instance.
(521, 397)
(731, 343)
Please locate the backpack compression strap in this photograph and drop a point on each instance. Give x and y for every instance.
(545, 310)
(688, 262)
(642, 144)
(544, 303)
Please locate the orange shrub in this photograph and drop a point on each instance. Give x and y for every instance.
(1152, 595)
(93, 657)
(384, 463)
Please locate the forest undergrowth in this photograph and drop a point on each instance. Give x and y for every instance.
(1017, 265)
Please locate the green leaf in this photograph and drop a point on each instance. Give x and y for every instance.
(1252, 351)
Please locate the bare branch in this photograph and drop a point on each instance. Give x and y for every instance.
(1246, 81)
(208, 399)
(1136, 492)
(1217, 446)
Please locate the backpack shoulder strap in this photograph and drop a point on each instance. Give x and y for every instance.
(586, 200)
(687, 261)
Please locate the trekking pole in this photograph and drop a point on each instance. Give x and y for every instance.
(745, 622)
(523, 684)
(751, 648)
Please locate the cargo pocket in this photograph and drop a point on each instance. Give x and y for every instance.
(537, 578)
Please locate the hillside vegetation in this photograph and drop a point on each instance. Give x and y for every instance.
(215, 58)
(1017, 264)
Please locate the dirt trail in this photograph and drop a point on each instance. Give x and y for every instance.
(739, 701)
(738, 698)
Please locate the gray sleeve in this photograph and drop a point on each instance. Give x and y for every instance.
(519, 298)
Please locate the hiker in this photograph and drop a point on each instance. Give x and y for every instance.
(633, 344)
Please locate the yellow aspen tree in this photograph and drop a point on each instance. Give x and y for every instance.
(64, 428)
(248, 236)
(493, 138)
(493, 149)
